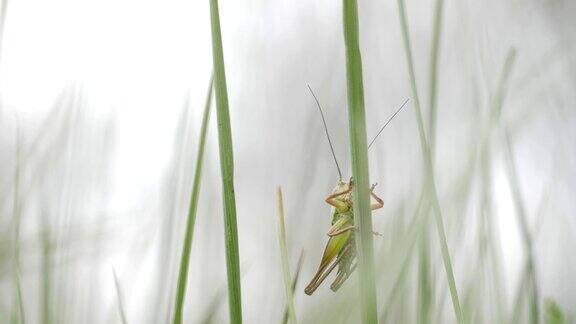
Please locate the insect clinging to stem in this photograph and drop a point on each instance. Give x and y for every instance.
(341, 249)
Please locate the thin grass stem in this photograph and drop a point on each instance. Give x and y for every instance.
(433, 81)
(429, 184)
(187, 244)
(284, 256)
(524, 230)
(294, 283)
(120, 298)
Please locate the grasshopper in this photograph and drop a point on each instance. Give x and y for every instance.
(341, 247)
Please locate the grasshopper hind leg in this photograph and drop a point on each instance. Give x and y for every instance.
(345, 268)
(342, 277)
(324, 271)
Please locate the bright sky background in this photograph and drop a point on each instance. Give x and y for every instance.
(135, 59)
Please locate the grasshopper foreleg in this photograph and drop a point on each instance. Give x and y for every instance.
(379, 202)
(338, 203)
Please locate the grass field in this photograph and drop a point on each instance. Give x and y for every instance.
(166, 163)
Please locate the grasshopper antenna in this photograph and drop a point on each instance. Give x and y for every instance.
(326, 130)
(388, 121)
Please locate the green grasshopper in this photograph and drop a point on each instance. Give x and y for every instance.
(341, 249)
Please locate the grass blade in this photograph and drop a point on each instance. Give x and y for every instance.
(17, 222)
(415, 228)
(501, 90)
(120, 299)
(284, 255)
(433, 81)
(429, 182)
(359, 153)
(187, 245)
(20, 299)
(294, 282)
(3, 11)
(554, 314)
(227, 169)
(46, 287)
(524, 230)
(425, 289)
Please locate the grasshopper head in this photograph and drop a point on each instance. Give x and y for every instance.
(342, 186)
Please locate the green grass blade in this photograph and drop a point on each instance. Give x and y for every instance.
(187, 245)
(46, 287)
(554, 314)
(294, 282)
(433, 81)
(120, 299)
(409, 239)
(17, 222)
(425, 292)
(284, 255)
(486, 158)
(19, 297)
(520, 294)
(498, 98)
(227, 169)
(3, 11)
(524, 230)
(429, 182)
(359, 153)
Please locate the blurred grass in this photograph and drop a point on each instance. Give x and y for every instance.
(526, 233)
(19, 313)
(193, 206)
(502, 86)
(433, 74)
(554, 314)
(294, 283)
(3, 12)
(120, 298)
(489, 244)
(359, 158)
(284, 256)
(227, 169)
(425, 297)
(409, 238)
(429, 182)
(47, 264)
